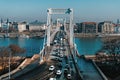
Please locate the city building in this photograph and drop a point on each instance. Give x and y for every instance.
(88, 27)
(36, 26)
(117, 28)
(100, 25)
(15, 26)
(108, 27)
(22, 26)
(78, 28)
(1, 23)
(118, 22)
(4, 27)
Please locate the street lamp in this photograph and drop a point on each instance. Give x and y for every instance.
(9, 65)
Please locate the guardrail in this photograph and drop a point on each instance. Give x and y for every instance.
(100, 72)
(75, 63)
(77, 68)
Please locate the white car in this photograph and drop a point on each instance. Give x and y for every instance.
(69, 76)
(51, 68)
(55, 41)
(61, 55)
(59, 72)
(61, 48)
(52, 79)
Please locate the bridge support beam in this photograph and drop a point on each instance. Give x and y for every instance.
(71, 28)
(65, 25)
(48, 28)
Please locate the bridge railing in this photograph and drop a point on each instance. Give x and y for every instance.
(42, 54)
(77, 53)
(76, 65)
(100, 72)
(72, 51)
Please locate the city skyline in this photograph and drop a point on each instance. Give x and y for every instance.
(84, 10)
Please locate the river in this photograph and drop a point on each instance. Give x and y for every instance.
(88, 46)
(34, 45)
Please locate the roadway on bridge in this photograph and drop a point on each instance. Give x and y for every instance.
(88, 70)
(62, 46)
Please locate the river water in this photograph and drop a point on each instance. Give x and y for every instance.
(88, 46)
(34, 45)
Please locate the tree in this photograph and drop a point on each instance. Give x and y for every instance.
(16, 49)
(112, 46)
(4, 55)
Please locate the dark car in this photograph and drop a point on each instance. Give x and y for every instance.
(60, 60)
(51, 44)
(59, 65)
(57, 59)
(65, 71)
(67, 66)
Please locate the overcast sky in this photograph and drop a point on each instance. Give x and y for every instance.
(84, 10)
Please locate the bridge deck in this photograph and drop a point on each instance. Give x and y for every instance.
(88, 70)
(53, 34)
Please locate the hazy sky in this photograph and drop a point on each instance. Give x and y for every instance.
(84, 10)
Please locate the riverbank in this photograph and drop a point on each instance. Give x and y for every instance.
(15, 62)
(79, 35)
(95, 35)
(22, 35)
(110, 70)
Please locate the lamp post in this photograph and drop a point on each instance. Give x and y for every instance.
(9, 65)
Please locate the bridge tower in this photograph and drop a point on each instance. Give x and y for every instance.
(52, 11)
(64, 22)
(59, 19)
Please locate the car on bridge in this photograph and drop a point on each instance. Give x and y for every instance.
(52, 79)
(58, 72)
(59, 65)
(57, 59)
(67, 66)
(69, 77)
(51, 44)
(61, 55)
(65, 71)
(51, 68)
(55, 41)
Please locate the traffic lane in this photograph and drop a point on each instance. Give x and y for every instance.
(29, 75)
(64, 63)
(39, 74)
(60, 77)
(70, 62)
